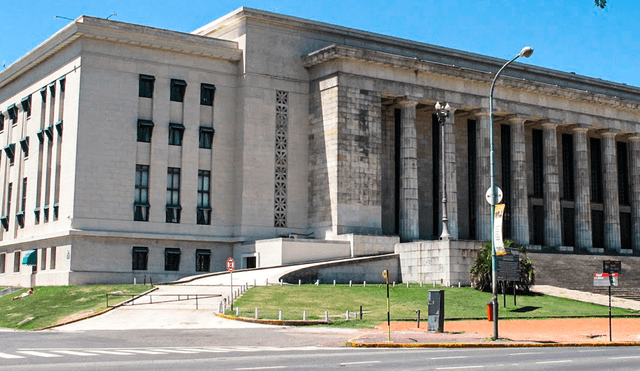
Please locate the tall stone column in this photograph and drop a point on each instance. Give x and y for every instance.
(584, 239)
(634, 174)
(552, 222)
(408, 173)
(611, 201)
(483, 222)
(519, 194)
(451, 174)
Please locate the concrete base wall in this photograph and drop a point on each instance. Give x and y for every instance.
(357, 271)
(443, 262)
(284, 251)
(367, 245)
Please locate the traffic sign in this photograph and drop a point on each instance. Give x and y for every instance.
(611, 266)
(605, 279)
(231, 265)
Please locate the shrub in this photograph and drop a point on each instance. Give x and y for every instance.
(480, 274)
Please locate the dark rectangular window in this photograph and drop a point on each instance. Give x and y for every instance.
(538, 225)
(250, 262)
(597, 228)
(52, 261)
(203, 260)
(1, 122)
(145, 87)
(178, 88)
(625, 231)
(176, 132)
(9, 191)
(23, 204)
(567, 167)
(24, 144)
(3, 262)
(12, 110)
(171, 259)
(568, 227)
(139, 258)
(43, 259)
(207, 92)
(435, 180)
(596, 171)
(538, 160)
(16, 262)
(206, 137)
(505, 147)
(145, 129)
(472, 173)
(141, 198)
(623, 173)
(173, 195)
(204, 192)
(10, 151)
(26, 105)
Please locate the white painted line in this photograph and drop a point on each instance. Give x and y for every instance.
(166, 350)
(453, 357)
(261, 368)
(458, 368)
(113, 352)
(38, 354)
(358, 363)
(74, 353)
(523, 354)
(593, 350)
(563, 361)
(140, 351)
(206, 350)
(627, 357)
(9, 356)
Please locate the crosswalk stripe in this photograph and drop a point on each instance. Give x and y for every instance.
(9, 356)
(113, 352)
(74, 353)
(38, 354)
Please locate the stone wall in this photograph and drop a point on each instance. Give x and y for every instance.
(365, 245)
(357, 271)
(444, 262)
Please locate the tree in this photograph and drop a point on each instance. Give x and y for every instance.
(601, 3)
(480, 273)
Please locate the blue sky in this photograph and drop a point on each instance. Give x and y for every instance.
(567, 35)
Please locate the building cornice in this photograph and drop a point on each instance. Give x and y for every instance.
(337, 52)
(120, 32)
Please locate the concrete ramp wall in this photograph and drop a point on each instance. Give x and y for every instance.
(356, 270)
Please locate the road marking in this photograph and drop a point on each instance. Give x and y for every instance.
(563, 361)
(206, 350)
(524, 354)
(453, 357)
(38, 354)
(174, 351)
(627, 357)
(262, 368)
(74, 353)
(113, 352)
(9, 356)
(358, 363)
(458, 368)
(140, 351)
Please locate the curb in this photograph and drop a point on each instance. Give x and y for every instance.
(274, 321)
(487, 345)
(98, 313)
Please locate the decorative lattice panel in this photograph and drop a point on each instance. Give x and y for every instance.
(282, 120)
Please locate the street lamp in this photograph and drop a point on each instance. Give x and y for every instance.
(443, 112)
(525, 52)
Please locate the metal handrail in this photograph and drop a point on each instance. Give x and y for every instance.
(180, 297)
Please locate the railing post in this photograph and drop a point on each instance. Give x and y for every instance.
(107, 300)
(196, 302)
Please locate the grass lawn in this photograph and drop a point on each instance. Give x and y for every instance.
(53, 304)
(459, 303)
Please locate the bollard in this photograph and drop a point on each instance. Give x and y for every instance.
(326, 315)
(458, 283)
(407, 284)
(299, 282)
(317, 282)
(334, 282)
(280, 282)
(364, 283)
(279, 315)
(134, 280)
(145, 279)
(150, 281)
(237, 312)
(256, 314)
(349, 283)
(394, 283)
(254, 282)
(420, 284)
(418, 312)
(347, 315)
(304, 315)
(434, 283)
(266, 282)
(361, 312)
(220, 308)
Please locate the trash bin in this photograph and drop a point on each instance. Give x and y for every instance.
(436, 311)
(490, 310)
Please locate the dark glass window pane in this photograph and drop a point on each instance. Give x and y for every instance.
(567, 167)
(139, 258)
(145, 89)
(178, 88)
(175, 134)
(203, 260)
(596, 171)
(171, 259)
(538, 160)
(145, 128)
(207, 93)
(206, 137)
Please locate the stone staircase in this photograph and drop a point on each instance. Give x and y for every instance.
(575, 271)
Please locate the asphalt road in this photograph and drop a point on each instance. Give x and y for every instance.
(276, 349)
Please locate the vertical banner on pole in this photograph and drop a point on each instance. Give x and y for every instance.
(497, 230)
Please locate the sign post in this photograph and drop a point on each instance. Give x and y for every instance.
(231, 266)
(608, 280)
(385, 274)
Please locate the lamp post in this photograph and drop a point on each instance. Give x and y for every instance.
(525, 52)
(443, 113)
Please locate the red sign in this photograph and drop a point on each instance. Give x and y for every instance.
(231, 265)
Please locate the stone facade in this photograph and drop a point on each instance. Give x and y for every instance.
(309, 129)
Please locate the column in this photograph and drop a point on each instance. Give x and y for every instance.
(408, 173)
(483, 222)
(519, 195)
(451, 174)
(552, 222)
(582, 188)
(611, 202)
(634, 175)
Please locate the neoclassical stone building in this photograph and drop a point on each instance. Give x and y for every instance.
(134, 152)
